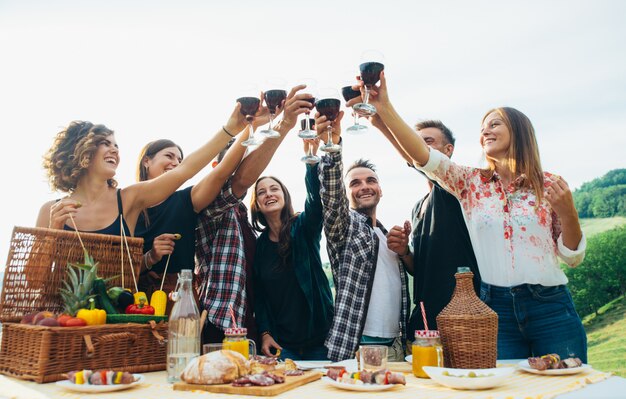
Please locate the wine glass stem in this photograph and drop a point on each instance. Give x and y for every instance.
(356, 119)
(306, 124)
(251, 135)
(271, 119)
(367, 94)
(330, 135)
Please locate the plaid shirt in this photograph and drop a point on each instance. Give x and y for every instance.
(221, 259)
(353, 252)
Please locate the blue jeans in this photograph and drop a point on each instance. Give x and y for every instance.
(318, 352)
(535, 320)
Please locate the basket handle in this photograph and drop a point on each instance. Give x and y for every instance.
(114, 337)
(159, 337)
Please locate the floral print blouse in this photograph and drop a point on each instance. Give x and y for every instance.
(516, 240)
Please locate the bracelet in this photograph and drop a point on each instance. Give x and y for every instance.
(264, 333)
(227, 132)
(145, 260)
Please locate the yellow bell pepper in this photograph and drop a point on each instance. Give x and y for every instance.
(92, 316)
(158, 301)
(138, 295)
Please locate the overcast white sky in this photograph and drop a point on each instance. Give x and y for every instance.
(158, 69)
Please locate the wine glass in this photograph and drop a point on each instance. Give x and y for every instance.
(273, 99)
(309, 158)
(329, 107)
(249, 107)
(348, 94)
(307, 132)
(370, 68)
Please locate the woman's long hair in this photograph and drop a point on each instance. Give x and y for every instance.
(148, 152)
(287, 216)
(522, 158)
(71, 153)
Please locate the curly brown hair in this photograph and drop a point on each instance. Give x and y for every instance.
(69, 157)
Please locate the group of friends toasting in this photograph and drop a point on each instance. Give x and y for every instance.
(510, 222)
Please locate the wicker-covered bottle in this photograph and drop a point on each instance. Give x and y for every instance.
(468, 327)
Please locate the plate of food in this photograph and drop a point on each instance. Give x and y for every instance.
(552, 364)
(311, 364)
(100, 381)
(469, 378)
(357, 387)
(364, 380)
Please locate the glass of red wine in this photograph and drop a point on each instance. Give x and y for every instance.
(310, 158)
(329, 107)
(249, 108)
(273, 100)
(307, 131)
(348, 94)
(370, 75)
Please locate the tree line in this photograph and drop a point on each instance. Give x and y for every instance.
(602, 197)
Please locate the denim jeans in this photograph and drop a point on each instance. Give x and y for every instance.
(318, 352)
(535, 320)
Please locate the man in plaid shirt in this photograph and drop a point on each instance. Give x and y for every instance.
(372, 301)
(225, 241)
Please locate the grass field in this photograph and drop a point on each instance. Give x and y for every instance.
(606, 335)
(594, 226)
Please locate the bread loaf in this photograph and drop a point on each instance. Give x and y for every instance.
(219, 367)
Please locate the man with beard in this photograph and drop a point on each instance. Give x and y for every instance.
(372, 301)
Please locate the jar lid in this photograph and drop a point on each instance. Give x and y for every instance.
(463, 269)
(236, 331)
(426, 333)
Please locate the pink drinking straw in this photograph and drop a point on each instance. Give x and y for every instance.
(232, 315)
(424, 315)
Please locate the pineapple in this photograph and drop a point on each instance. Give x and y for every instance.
(78, 291)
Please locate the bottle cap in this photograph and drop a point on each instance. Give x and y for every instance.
(236, 331)
(426, 333)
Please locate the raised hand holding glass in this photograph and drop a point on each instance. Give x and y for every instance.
(348, 94)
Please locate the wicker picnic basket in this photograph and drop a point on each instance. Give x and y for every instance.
(468, 327)
(37, 263)
(45, 354)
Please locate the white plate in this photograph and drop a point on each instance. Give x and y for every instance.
(99, 388)
(359, 387)
(574, 370)
(409, 358)
(349, 364)
(500, 375)
(311, 364)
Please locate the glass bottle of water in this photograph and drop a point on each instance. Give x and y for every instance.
(183, 342)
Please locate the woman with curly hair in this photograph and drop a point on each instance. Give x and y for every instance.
(82, 163)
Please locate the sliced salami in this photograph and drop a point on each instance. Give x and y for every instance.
(261, 380)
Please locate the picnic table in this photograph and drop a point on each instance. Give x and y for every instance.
(588, 385)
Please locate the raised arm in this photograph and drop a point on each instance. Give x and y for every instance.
(205, 192)
(409, 141)
(255, 163)
(151, 192)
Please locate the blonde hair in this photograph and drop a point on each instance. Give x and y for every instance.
(522, 158)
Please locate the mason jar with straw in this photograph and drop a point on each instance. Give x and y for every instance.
(426, 349)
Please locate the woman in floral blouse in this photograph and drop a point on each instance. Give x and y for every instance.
(521, 220)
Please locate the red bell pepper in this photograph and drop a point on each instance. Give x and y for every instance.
(140, 308)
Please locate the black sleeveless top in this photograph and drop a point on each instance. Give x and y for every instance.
(114, 228)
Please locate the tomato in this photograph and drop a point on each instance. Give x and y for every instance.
(62, 319)
(75, 322)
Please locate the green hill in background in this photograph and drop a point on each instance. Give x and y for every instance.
(602, 197)
(606, 337)
(593, 226)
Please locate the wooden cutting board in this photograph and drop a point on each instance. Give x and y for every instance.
(291, 382)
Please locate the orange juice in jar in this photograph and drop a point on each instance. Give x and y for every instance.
(235, 340)
(426, 351)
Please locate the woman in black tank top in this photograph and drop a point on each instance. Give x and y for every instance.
(82, 162)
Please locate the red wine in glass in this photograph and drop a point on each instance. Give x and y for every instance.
(249, 107)
(370, 75)
(273, 99)
(307, 131)
(329, 107)
(348, 94)
(303, 124)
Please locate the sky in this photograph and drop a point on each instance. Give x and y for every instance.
(173, 69)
